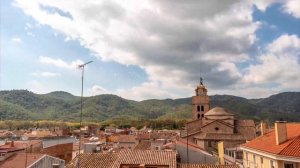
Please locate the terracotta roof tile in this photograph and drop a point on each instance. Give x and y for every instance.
(143, 145)
(146, 157)
(18, 160)
(94, 160)
(186, 165)
(127, 138)
(267, 142)
(125, 157)
(293, 149)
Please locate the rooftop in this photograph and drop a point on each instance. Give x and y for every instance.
(186, 165)
(125, 157)
(267, 142)
(18, 160)
(218, 111)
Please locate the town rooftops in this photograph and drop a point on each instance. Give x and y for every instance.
(127, 138)
(189, 165)
(267, 142)
(125, 157)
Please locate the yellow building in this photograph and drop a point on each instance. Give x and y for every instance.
(279, 148)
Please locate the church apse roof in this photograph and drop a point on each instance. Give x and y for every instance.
(218, 111)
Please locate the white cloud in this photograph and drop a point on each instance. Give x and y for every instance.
(279, 65)
(45, 74)
(60, 63)
(171, 40)
(16, 40)
(97, 90)
(292, 7)
(264, 4)
(38, 87)
(146, 90)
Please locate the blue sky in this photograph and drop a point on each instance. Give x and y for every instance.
(143, 51)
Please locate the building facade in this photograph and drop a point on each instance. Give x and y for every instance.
(279, 148)
(210, 126)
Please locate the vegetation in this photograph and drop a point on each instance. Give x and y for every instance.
(111, 109)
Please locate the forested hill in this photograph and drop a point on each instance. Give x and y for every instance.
(23, 105)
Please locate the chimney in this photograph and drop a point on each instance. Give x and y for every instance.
(263, 128)
(280, 132)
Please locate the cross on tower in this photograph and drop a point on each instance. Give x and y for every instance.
(201, 80)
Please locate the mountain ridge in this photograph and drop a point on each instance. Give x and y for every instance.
(60, 105)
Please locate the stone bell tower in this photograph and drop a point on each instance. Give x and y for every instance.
(200, 102)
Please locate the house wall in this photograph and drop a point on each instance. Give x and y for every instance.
(62, 151)
(195, 155)
(200, 143)
(266, 161)
(217, 127)
(194, 126)
(48, 162)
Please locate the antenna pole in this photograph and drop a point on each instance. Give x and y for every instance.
(81, 107)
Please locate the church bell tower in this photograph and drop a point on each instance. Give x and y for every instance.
(200, 102)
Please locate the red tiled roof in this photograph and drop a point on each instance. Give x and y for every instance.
(94, 160)
(267, 142)
(293, 149)
(146, 157)
(190, 165)
(143, 145)
(145, 136)
(22, 144)
(126, 138)
(125, 157)
(18, 160)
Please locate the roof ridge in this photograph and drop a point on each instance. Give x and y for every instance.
(220, 121)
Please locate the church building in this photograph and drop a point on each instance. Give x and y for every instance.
(211, 125)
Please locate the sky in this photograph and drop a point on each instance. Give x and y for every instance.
(151, 49)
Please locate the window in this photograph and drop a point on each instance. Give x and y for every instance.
(254, 161)
(209, 143)
(202, 108)
(272, 163)
(198, 116)
(261, 162)
(198, 108)
(202, 115)
(288, 165)
(247, 160)
(217, 128)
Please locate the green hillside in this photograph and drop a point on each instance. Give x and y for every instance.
(26, 105)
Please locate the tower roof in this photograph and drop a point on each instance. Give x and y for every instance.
(218, 111)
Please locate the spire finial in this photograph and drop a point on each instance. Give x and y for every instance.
(201, 81)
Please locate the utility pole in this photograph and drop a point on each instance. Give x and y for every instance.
(187, 144)
(81, 107)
